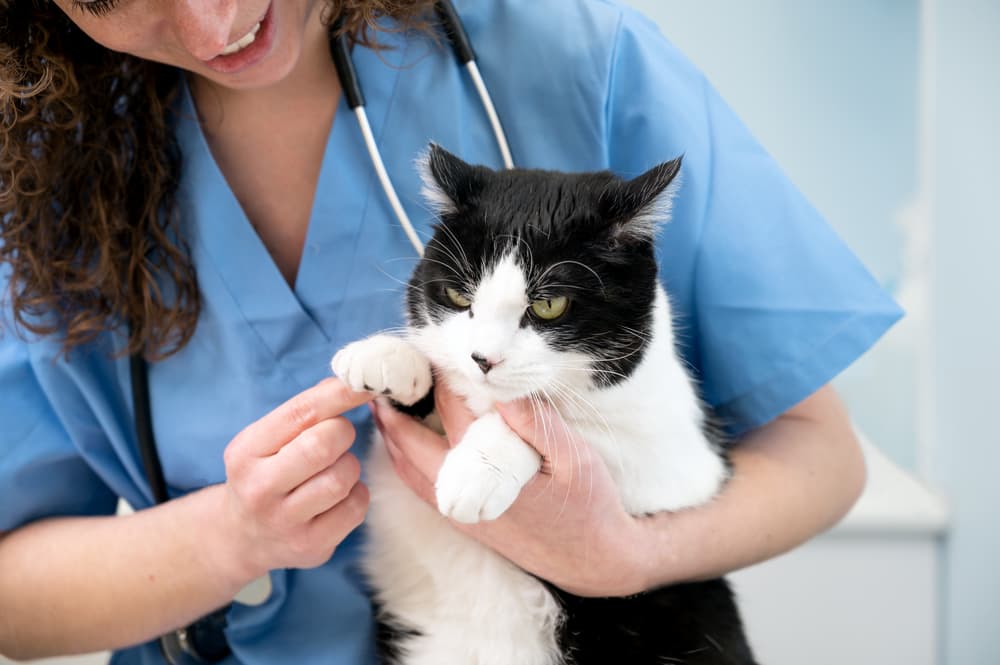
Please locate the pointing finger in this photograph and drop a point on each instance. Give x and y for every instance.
(327, 399)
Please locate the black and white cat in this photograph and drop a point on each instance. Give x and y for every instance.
(539, 284)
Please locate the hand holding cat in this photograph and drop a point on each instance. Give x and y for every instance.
(292, 490)
(567, 526)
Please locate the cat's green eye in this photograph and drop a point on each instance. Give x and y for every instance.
(550, 308)
(457, 299)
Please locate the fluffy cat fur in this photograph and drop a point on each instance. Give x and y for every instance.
(504, 241)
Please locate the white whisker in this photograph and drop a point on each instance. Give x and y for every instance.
(569, 262)
(575, 399)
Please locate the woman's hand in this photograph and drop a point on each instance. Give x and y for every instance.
(292, 490)
(567, 526)
(81, 584)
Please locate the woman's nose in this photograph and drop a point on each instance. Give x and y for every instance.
(204, 27)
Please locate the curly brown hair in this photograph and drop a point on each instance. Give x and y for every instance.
(88, 179)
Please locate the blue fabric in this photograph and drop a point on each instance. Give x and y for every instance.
(769, 302)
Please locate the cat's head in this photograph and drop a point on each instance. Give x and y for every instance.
(537, 281)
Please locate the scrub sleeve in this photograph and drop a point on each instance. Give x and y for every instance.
(41, 472)
(770, 303)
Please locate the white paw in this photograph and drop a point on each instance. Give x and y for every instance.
(471, 489)
(482, 476)
(386, 365)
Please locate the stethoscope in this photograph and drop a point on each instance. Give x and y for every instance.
(204, 641)
(462, 47)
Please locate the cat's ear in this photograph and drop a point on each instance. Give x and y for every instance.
(450, 184)
(637, 208)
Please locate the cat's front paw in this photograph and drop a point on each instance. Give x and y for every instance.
(469, 489)
(386, 365)
(482, 476)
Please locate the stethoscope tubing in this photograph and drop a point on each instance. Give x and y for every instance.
(340, 49)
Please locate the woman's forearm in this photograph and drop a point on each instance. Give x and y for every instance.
(792, 479)
(291, 496)
(73, 585)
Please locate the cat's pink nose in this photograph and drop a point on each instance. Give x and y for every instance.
(486, 364)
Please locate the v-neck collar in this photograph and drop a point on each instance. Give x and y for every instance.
(285, 319)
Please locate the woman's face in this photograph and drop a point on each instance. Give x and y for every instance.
(238, 44)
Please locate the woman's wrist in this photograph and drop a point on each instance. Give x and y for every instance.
(628, 566)
(662, 553)
(224, 542)
(644, 555)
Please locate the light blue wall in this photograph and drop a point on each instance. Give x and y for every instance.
(830, 89)
(966, 295)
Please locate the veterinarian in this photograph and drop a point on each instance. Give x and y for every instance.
(184, 180)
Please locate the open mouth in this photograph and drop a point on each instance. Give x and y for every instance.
(243, 42)
(248, 49)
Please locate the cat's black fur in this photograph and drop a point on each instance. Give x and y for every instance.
(574, 228)
(684, 624)
(579, 223)
(690, 624)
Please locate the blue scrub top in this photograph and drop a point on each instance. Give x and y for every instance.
(769, 303)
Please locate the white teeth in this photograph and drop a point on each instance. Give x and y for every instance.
(243, 42)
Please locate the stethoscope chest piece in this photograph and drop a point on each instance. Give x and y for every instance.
(255, 593)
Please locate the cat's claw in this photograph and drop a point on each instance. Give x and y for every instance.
(385, 365)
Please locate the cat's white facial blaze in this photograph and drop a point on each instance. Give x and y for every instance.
(520, 362)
